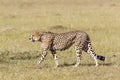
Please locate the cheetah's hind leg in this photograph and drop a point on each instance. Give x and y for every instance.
(95, 56)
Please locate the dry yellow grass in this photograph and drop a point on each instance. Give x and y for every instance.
(18, 18)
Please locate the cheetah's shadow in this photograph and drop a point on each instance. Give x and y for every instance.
(90, 64)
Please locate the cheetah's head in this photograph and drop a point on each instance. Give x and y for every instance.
(35, 37)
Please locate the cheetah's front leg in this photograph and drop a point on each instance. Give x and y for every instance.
(78, 54)
(55, 57)
(44, 54)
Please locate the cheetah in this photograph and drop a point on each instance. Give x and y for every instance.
(62, 41)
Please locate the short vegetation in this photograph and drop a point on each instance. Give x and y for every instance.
(18, 56)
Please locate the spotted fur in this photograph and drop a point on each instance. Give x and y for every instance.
(53, 41)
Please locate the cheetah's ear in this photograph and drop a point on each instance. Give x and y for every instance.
(38, 33)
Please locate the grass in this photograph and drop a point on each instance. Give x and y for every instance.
(18, 56)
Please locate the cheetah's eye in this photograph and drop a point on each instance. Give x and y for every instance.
(31, 37)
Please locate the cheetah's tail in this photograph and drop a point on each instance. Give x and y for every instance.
(102, 58)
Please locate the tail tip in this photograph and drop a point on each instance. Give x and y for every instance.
(102, 58)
